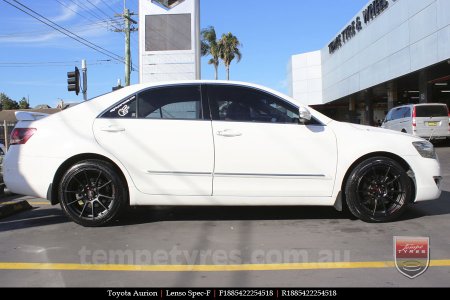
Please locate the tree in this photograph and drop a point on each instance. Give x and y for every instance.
(8, 103)
(210, 46)
(23, 104)
(229, 50)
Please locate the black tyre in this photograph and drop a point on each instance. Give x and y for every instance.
(92, 193)
(378, 190)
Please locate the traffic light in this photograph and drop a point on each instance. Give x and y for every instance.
(73, 81)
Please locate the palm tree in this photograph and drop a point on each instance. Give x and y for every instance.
(229, 50)
(210, 46)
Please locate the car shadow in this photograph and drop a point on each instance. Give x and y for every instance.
(442, 144)
(33, 218)
(152, 214)
(437, 207)
(140, 215)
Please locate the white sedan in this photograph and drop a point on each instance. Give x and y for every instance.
(213, 143)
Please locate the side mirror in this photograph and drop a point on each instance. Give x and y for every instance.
(304, 114)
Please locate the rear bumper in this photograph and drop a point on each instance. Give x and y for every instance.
(440, 136)
(27, 175)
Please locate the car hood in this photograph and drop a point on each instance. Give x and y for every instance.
(379, 130)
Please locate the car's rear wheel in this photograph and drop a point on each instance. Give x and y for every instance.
(92, 193)
(378, 190)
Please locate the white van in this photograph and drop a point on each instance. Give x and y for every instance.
(428, 120)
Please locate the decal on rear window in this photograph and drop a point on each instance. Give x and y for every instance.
(125, 109)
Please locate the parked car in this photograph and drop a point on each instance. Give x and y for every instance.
(429, 120)
(213, 143)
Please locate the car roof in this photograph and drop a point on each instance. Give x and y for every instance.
(420, 104)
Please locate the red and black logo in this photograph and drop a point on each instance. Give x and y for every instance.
(412, 255)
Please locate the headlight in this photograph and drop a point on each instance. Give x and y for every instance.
(426, 149)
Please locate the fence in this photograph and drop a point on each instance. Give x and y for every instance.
(5, 130)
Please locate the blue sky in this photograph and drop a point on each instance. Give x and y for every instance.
(34, 58)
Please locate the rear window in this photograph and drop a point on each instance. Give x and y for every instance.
(431, 111)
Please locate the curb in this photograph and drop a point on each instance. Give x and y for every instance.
(12, 208)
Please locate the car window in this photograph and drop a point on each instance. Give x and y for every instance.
(125, 109)
(181, 102)
(397, 113)
(431, 111)
(235, 103)
(406, 112)
(389, 116)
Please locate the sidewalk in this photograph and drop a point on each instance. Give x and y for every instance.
(11, 204)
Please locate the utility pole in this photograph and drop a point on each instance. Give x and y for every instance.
(84, 71)
(127, 30)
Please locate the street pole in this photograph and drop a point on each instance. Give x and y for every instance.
(198, 74)
(126, 15)
(6, 133)
(127, 30)
(84, 70)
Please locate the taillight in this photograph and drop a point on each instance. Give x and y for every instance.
(414, 124)
(21, 135)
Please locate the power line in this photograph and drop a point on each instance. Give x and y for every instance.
(38, 63)
(109, 6)
(82, 26)
(69, 63)
(51, 65)
(87, 9)
(67, 32)
(99, 9)
(68, 7)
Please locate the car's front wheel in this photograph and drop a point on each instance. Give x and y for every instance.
(92, 193)
(378, 190)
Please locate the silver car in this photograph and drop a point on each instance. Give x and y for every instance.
(428, 120)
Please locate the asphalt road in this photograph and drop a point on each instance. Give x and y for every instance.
(231, 247)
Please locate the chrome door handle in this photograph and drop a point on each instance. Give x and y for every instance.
(229, 133)
(112, 129)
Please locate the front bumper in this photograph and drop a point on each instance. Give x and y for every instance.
(427, 175)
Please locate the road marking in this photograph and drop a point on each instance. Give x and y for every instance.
(39, 202)
(209, 268)
(30, 202)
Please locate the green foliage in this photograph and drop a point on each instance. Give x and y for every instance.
(210, 46)
(8, 103)
(225, 49)
(229, 50)
(23, 104)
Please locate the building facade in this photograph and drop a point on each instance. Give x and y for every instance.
(392, 52)
(169, 40)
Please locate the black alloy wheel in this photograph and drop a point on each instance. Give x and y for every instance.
(378, 190)
(92, 193)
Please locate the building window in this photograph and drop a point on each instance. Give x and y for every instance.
(168, 32)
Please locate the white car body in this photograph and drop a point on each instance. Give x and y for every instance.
(182, 162)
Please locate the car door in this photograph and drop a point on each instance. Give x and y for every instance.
(261, 149)
(395, 121)
(405, 120)
(161, 138)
